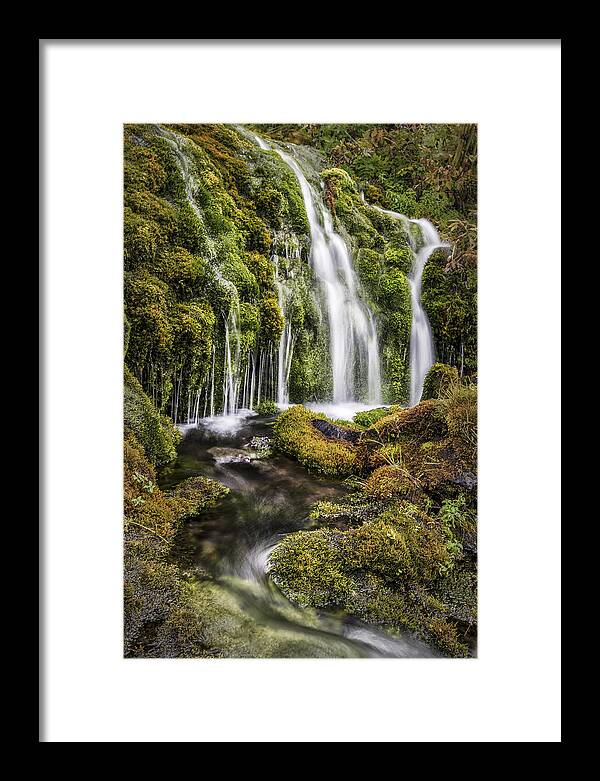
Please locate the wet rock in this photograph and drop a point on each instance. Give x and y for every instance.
(333, 431)
(229, 455)
(261, 446)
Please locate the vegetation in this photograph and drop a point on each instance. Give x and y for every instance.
(267, 407)
(438, 380)
(425, 171)
(158, 618)
(403, 550)
(295, 435)
(216, 266)
(367, 418)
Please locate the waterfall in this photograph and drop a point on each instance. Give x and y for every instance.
(353, 343)
(287, 338)
(422, 349)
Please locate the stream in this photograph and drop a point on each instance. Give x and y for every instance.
(229, 547)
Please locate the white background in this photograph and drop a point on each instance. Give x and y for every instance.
(511, 692)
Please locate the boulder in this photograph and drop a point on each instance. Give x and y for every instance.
(333, 431)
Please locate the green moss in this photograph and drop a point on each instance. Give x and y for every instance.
(392, 481)
(271, 319)
(393, 289)
(201, 493)
(295, 435)
(438, 380)
(154, 432)
(267, 407)
(400, 258)
(262, 270)
(449, 297)
(369, 266)
(307, 568)
(420, 423)
(459, 407)
(391, 570)
(158, 619)
(367, 418)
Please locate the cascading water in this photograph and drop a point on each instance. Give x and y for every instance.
(422, 349)
(287, 338)
(354, 347)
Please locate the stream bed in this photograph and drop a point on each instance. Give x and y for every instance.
(227, 549)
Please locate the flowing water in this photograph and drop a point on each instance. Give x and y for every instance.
(231, 544)
(354, 347)
(422, 348)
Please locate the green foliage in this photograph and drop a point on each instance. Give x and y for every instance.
(400, 258)
(438, 380)
(295, 435)
(370, 416)
(267, 407)
(154, 432)
(415, 169)
(449, 296)
(271, 319)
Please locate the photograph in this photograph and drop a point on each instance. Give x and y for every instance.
(300, 390)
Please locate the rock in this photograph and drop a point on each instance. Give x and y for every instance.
(229, 455)
(261, 447)
(333, 431)
(466, 480)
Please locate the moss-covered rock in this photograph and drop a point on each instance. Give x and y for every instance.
(367, 418)
(439, 380)
(153, 431)
(295, 435)
(267, 407)
(159, 620)
(200, 492)
(388, 570)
